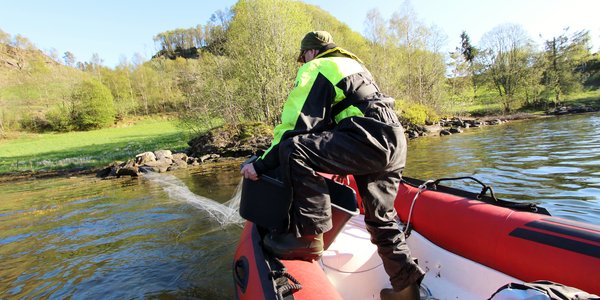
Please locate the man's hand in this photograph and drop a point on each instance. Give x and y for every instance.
(249, 172)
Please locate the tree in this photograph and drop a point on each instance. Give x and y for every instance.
(507, 55)
(469, 53)
(4, 37)
(4, 40)
(92, 105)
(215, 31)
(262, 40)
(22, 42)
(459, 82)
(563, 55)
(69, 59)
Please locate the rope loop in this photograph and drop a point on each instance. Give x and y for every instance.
(422, 187)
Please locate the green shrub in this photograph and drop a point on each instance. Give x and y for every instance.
(59, 119)
(34, 122)
(417, 114)
(93, 106)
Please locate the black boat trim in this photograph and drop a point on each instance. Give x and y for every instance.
(557, 241)
(573, 223)
(564, 230)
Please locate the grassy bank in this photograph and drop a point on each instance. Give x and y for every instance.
(487, 105)
(60, 151)
(38, 153)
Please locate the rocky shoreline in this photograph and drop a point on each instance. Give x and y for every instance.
(239, 141)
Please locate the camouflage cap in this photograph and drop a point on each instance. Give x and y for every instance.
(315, 40)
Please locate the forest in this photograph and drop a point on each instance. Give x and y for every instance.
(240, 65)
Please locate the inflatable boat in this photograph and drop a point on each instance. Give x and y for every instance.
(469, 244)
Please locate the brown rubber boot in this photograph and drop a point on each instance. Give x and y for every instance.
(410, 292)
(288, 246)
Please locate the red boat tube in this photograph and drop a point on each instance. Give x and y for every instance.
(524, 245)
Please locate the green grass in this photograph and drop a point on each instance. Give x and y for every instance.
(587, 98)
(57, 151)
(487, 107)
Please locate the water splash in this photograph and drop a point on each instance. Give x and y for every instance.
(223, 213)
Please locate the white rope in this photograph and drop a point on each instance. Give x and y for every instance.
(422, 187)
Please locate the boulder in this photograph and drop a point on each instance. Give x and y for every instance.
(161, 165)
(182, 164)
(180, 156)
(445, 132)
(110, 170)
(163, 154)
(412, 134)
(145, 157)
(455, 130)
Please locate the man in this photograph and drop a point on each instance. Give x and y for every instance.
(337, 121)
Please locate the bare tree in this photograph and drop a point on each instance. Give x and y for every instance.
(69, 59)
(507, 52)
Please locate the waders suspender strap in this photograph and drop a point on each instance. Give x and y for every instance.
(359, 95)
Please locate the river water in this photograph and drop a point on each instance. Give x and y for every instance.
(173, 235)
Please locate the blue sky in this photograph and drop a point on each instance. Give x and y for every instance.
(116, 29)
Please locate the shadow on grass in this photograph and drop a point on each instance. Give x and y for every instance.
(91, 156)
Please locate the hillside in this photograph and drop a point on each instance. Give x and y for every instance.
(31, 82)
(12, 58)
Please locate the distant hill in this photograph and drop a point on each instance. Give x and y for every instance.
(12, 58)
(31, 82)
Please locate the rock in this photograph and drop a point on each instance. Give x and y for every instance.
(128, 168)
(163, 154)
(455, 130)
(145, 169)
(104, 172)
(160, 166)
(458, 122)
(204, 157)
(179, 163)
(412, 134)
(474, 123)
(127, 171)
(180, 156)
(445, 132)
(433, 128)
(145, 157)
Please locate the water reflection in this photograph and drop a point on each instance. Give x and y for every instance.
(553, 162)
(125, 238)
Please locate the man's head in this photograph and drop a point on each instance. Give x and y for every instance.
(312, 43)
(315, 40)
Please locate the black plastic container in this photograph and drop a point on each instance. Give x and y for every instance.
(266, 202)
